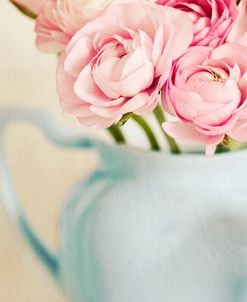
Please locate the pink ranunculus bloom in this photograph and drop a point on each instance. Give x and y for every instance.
(207, 92)
(58, 20)
(212, 18)
(119, 62)
(31, 5)
(238, 32)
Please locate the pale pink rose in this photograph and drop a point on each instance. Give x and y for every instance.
(118, 63)
(30, 5)
(212, 18)
(238, 32)
(207, 92)
(58, 20)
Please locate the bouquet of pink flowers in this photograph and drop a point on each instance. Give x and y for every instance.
(117, 57)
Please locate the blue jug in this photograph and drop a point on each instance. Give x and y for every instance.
(144, 226)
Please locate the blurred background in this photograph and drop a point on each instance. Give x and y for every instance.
(43, 173)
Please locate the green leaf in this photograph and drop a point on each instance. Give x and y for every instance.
(24, 10)
(222, 149)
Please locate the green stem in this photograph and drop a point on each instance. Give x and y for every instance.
(117, 134)
(159, 114)
(147, 129)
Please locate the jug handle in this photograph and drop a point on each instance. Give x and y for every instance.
(60, 136)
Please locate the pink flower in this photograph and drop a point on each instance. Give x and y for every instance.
(31, 5)
(212, 18)
(238, 33)
(207, 92)
(118, 63)
(58, 20)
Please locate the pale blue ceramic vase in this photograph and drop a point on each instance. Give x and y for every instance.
(145, 226)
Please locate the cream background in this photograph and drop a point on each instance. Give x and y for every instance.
(43, 172)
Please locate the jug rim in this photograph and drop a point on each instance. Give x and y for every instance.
(138, 151)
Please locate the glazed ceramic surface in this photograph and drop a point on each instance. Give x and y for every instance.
(145, 226)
